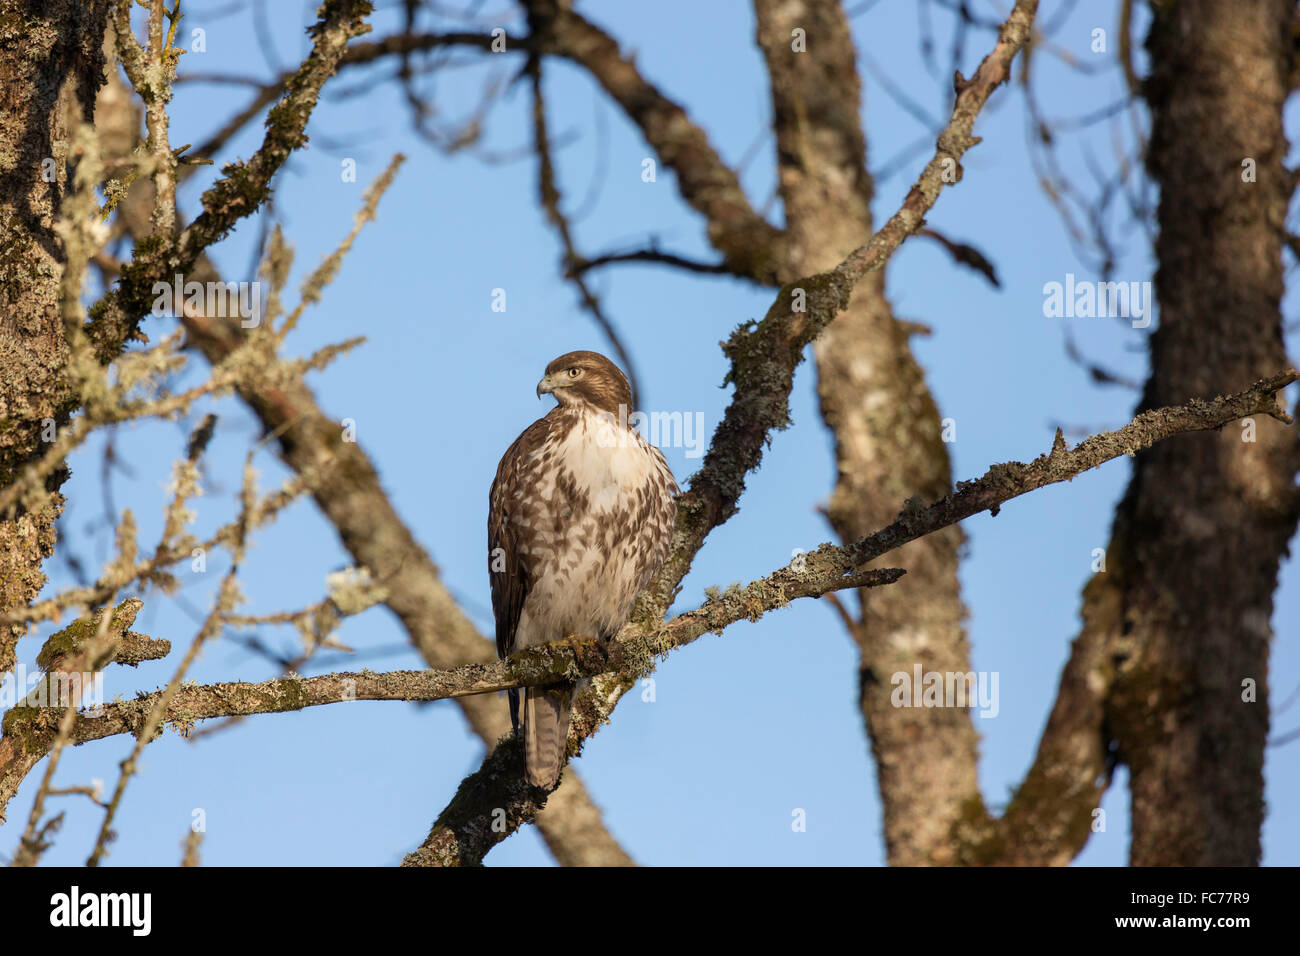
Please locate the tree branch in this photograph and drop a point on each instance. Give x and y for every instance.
(580, 266)
(963, 253)
(549, 197)
(347, 488)
(763, 359)
(358, 54)
(764, 356)
(749, 243)
(470, 825)
(242, 190)
(567, 660)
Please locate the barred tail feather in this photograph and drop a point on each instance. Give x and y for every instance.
(546, 730)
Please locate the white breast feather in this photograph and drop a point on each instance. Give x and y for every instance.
(586, 577)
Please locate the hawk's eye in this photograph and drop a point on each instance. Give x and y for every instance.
(574, 372)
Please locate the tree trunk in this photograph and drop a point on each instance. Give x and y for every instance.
(1206, 518)
(887, 434)
(50, 60)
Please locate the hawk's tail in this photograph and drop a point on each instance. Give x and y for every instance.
(546, 730)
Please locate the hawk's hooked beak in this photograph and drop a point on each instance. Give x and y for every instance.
(545, 386)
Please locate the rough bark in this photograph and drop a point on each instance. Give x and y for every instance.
(50, 58)
(1205, 521)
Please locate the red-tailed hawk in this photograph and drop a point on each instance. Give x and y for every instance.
(580, 518)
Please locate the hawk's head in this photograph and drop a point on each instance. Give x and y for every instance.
(586, 379)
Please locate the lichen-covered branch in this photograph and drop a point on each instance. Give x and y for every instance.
(239, 193)
(182, 705)
(228, 597)
(473, 823)
(763, 356)
(152, 74)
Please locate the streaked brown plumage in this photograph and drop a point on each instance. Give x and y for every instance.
(580, 518)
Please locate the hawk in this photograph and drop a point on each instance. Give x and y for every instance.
(580, 517)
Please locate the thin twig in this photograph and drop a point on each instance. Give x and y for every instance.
(549, 194)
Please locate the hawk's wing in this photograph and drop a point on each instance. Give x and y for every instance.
(508, 568)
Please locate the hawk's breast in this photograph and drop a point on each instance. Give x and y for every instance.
(596, 522)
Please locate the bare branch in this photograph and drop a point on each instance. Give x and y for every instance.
(357, 54)
(581, 266)
(747, 241)
(764, 356)
(549, 196)
(965, 254)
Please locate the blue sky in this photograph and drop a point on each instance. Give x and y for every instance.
(744, 728)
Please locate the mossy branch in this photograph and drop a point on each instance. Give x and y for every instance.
(763, 356)
(570, 659)
(464, 832)
(32, 731)
(241, 191)
(76, 646)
